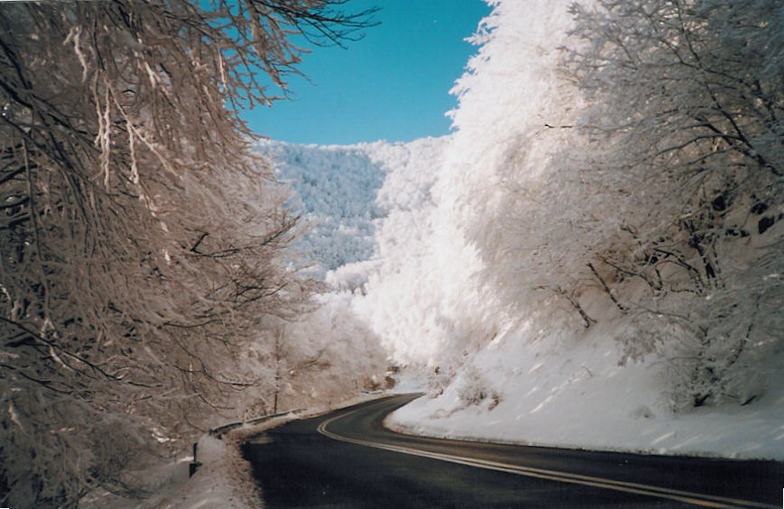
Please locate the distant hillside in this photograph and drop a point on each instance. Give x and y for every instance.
(337, 191)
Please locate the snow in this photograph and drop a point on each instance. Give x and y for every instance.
(491, 371)
(222, 481)
(576, 395)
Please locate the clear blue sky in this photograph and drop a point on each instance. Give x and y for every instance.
(393, 84)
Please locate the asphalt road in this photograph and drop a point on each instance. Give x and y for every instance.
(348, 459)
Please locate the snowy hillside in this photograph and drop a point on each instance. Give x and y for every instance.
(552, 304)
(338, 190)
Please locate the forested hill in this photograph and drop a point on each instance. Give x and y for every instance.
(338, 191)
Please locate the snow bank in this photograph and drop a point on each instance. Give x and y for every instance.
(572, 393)
(222, 481)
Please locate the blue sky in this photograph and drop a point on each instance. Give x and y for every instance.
(393, 84)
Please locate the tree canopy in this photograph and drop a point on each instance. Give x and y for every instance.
(142, 243)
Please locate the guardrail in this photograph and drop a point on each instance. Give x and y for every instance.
(222, 430)
(219, 431)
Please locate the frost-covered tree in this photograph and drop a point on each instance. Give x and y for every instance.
(685, 133)
(140, 240)
(620, 164)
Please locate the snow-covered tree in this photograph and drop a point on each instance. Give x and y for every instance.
(617, 163)
(685, 134)
(140, 238)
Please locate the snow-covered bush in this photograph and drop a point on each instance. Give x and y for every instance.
(474, 390)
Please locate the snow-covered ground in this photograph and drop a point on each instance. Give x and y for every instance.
(224, 479)
(222, 482)
(575, 394)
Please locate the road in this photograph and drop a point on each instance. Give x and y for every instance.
(348, 459)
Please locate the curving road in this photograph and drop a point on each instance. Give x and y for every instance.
(348, 459)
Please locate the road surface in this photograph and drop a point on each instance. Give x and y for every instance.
(348, 459)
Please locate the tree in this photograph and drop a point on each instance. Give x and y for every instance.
(685, 133)
(141, 241)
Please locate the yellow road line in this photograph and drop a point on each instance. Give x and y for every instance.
(566, 477)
